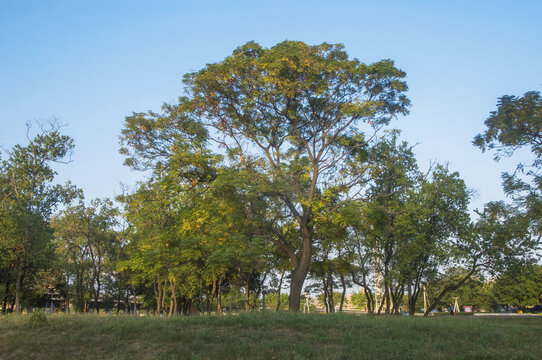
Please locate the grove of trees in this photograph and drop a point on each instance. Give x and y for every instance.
(277, 169)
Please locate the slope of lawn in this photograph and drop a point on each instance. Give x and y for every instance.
(269, 336)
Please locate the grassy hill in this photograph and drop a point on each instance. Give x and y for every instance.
(269, 336)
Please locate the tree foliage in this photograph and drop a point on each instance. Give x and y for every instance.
(294, 109)
(274, 166)
(517, 124)
(28, 197)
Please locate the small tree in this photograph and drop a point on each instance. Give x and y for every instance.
(84, 240)
(519, 286)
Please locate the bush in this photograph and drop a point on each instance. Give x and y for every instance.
(37, 319)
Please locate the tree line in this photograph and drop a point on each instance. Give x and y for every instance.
(278, 166)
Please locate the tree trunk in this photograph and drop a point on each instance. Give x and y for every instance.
(415, 295)
(163, 303)
(99, 283)
(370, 302)
(119, 293)
(343, 295)
(18, 285)
(396, 298)
(279, 289)
(330, 298)
(170, 312)
(324, 285)
(79, 292)
(219, 298)
(383, 300)
(301, 270)
(13, 302)
(135, 301)
(173, 299)
(260, 290)
(366, 290)
(126, 300)
(247, 295)
(67, 294)
(158, 294)
(389, 303)
(97, 295)
(211, 299)
(409, 304)
(189, 307)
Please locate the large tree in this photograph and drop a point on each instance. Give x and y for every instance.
(28, 196)
(515, 125)
(303, 114)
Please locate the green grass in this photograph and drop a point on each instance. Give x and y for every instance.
(270, 336)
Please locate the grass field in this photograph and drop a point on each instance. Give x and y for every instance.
(270, 336)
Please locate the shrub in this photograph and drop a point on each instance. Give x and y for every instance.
(37, 319)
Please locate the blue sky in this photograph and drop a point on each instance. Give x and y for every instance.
(91, 63)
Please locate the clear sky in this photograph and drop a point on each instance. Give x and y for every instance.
(91, 63)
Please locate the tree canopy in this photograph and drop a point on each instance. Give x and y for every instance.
(276, 166)
(515, 125)
(28, 198)
(294, 110)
